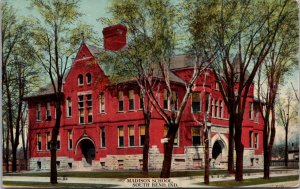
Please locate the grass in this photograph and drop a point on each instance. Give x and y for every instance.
(125, 174)
(254, 181)
(59, 185)
(232, 183)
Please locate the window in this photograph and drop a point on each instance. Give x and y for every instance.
(166, 99)
(207, 99)
(69, 107)
(216, 108)
(142, 134)
(38, 112)
(39, 141)
(176, 137)
(89, 108)
(212, 108)
(121, 136)
(196, 136)
(196, 107)
(141, 100)
(48, 111)
(81, 109)
(251, 111)
(88, 78)
(256, 140)
(174, 101)
(102, 102)
(131, 135)
(131, 99)
(70, 139)
(251, 139)
(121, 101)
(102, 130)
(256, 113)
(80, 80)
(221, 109)
(217, 86)
(48, 140)
(58, 141)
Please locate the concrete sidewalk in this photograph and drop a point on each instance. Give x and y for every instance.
(192, 182)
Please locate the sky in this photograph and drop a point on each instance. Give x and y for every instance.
(94, 9)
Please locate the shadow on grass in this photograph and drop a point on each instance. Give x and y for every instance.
(13, 184)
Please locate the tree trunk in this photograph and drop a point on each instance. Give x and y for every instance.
(239, 148)
(272, 136)
(166, 167)
(206, 158)
(55, 131)
(147, 117)
(7, 151)
(286, 146)
(14, 159)
(24, 146)
(231, 145)
(266, 150)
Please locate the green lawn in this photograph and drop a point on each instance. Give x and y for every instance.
(125, 174)
(231, 183)
(253, 181)
(59, 185)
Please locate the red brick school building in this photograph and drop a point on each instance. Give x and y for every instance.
(102, 121)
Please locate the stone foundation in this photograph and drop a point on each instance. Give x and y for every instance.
(193, 158)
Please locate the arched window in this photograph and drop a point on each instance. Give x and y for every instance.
(80, 80)
(88, 78)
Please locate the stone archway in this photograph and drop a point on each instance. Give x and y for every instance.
(85, 150)
(217, 150)
(88, 152)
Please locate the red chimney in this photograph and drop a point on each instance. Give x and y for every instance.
(114, 37)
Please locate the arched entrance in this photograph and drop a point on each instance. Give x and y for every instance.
(85, 150)
(218, 153)
(88, 152)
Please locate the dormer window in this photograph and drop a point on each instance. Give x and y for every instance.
(88, 78)
(80, 80)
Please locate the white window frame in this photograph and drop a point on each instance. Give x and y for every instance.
(80, 109)
(39, 139)
(200, 104)
(131, 97)
(120, 99)
(131, 126)
(69, 105)
(70, 133)
(101, 103)
(121, 127)
(48, 134)
(140, 138)
(48, 110)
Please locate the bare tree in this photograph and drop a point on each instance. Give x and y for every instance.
(287, 112)
(244, 41)
(19, 73)
(278, 64)
(56, 37)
